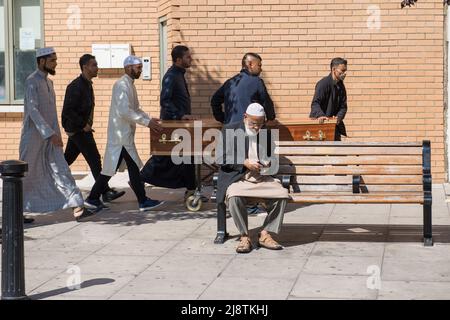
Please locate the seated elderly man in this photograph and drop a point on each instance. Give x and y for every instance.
(244, 177)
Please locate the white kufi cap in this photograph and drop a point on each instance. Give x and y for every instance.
(255, 109)
(131, 60)
(41, 52)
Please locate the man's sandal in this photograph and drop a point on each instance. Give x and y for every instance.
(245, 246)
(266, 241)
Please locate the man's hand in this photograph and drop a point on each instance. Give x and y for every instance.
(188, 117)
(322, 119)
(155, 125)
(252, 166)
(56, 140)
(87, 128)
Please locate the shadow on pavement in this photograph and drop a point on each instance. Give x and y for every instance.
(57, 292)
(298, 234)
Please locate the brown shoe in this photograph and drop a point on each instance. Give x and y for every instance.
(267, 242)
(245, 245)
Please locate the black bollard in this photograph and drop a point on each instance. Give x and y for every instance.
(13, 262)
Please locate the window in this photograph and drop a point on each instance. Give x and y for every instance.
(2, 53)
(162, 47)
(20, 36)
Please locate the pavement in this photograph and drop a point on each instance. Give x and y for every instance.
(332, 251)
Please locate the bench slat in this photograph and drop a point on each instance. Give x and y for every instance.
(355, 198)
(363, 188)
(368, 179)
(340, 160)
(341, 144)
(347, 150)
(382, 169)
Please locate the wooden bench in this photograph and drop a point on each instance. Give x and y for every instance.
(353, 172)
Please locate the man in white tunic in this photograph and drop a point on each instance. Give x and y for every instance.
(49, 184)
(245, 178)
(124, 114)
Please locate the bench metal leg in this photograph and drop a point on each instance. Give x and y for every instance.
(222, 234)
(427, 194)
(427, 224)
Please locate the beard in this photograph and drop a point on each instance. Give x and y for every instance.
(51, 71)
(135, 75)
(250, 132)
(256, 73)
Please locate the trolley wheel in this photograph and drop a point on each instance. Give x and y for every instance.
(193, 203)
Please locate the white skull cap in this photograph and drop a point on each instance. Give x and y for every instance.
(131, 60)
(255, 109)
(41, 52)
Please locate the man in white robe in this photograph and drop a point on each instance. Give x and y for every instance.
(125, 112)
(48, 185)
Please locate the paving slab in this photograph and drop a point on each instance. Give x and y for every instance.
(414, 290)
(332, 287)
(348, 265)
(249, 288)
(413, 269)
(278, 268)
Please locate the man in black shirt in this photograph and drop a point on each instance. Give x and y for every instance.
(77, 121)
(238, 92)
(175, 102)
(330, 97)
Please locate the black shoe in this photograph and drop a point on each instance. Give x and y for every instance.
(95, 205)
(255, 210)
(28, 220)
(149, 204)
(86, 213)
(111, 195)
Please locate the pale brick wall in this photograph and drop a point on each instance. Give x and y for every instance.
(394, 83)
(395, 78)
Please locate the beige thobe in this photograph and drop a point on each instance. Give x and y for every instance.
(255, 184)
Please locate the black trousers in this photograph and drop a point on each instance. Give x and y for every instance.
(84, 143)
(337, 136)
(101, 183)
(162, 172)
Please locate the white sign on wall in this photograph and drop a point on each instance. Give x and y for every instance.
(31, 18)
(27, 40)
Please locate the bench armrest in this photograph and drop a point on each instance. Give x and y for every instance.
(286, 181)
(356, 183)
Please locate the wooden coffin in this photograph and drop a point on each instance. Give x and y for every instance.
(163, 142)
(289, 130)
(304, 129)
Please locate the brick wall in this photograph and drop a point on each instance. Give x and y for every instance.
(394, 82)
(395, 73)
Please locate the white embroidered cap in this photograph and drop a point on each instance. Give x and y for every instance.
(131, 60)
(41, 52)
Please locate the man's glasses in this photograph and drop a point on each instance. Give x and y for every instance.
(255, 124)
